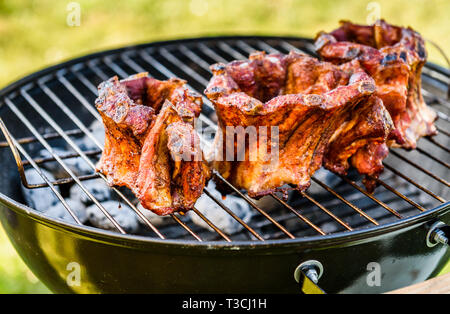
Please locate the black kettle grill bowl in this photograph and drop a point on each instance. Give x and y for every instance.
(112, 262)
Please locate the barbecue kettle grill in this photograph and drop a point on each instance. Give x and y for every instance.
(334, 236)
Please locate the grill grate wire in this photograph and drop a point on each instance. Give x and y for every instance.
(166, 60)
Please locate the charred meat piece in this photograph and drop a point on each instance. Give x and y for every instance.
(361, 140)
(172, 172)
(365, 128)
(126, 125)
(394, 57)
(151, 146)
(263, 145)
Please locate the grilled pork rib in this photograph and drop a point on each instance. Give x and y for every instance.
(394, 57)
(151, 146)
(308, 105)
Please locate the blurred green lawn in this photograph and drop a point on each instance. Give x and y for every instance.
(35, 34)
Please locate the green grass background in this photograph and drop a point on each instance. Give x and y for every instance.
(35, 34)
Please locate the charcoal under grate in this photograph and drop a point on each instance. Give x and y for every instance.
(55, 108)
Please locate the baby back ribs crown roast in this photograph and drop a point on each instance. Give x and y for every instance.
(318, 113)
(151, 146)
(394, 57)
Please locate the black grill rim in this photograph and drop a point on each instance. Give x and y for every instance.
(343, 237)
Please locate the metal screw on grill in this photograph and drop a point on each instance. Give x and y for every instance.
(312, 274)
(438, 234)
(307, 274)
(311, 268)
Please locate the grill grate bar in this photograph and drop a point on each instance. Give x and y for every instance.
(211, 53)
(65, 156)
(441, 130)
(251, 203)
(203, 217)
(93, 66)
(440, 77)
(72, 117)
(346, 202)
(116, 69)
(63, 181)
(398, 173)
(14, 143)
(267, 47)
(80, 76)
(287, 46)
(78, 96)
(244, 46)
(251, 230)
(185, 227)
(196, 59)
(443, 116)
(47, 136)
(328, 212)
(432, 140)
(170, 57)
(232, 52)
(136, 67)
(415, 165)
(420, 150)
(387, 186)
(382, 204)
(306, 220)
(439, 100)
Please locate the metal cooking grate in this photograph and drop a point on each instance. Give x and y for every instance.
(411, 183)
